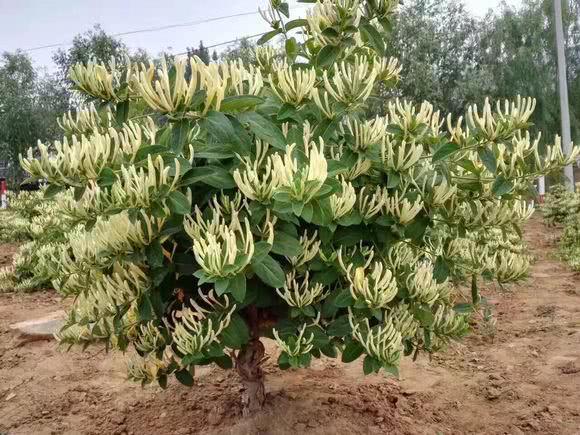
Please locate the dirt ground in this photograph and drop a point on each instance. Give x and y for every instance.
(524, 377)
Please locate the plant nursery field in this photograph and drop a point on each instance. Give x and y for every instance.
(521, 376)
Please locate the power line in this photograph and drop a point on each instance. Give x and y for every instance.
(166, 27)
(231, 41)
(155, 29)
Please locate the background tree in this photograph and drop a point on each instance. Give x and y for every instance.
(94, 44)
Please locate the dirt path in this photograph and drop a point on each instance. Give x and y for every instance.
(523, 379)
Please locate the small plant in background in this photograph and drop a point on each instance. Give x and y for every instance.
(38, 223)
(563, 207)
(560, 203)
(257, 200)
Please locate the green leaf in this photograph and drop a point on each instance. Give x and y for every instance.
(292, 48)
(441, 270)
(285, 244)
(284, 8)
(352, 351)
(372, 35)
(221, 286)
(237, 287)
(107, 177)
(487, 156)
(122, 112)
(212, 175)
(219, 127)
(343, 299)
(270, 272)
(444, 150)
(145, 308)
(416, 229)
(179, 133)
(215, 151)
(197, 99)
(463, 308)
(268, 35)
(240, 102)
(178, 203)
(393, 179)
(52, 191)
(394, 370)
(501, 186)
(154, 254)
(79, 191)
(264, 129)
(423, 315)
(236, 334)
(327, 56)
(300, 22)
(287, 111)
(184, 377)
(261, 249)
(350, 236)
(144, 152)
(369, 365)
(340, 327)
(223, 362)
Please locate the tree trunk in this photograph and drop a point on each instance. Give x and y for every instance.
(249, 366)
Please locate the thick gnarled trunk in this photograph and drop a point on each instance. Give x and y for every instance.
(249, 366)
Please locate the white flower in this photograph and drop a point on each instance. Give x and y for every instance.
(400, 156)
(372, 204)
(302, 181)
(351, 82)
(342, 203)
(301, 346)
(302, 294)
(404, 210)
(383, 342)
(422, 286)
(310, 247)
(194, 330)
(293, 85)
(258, 180)
(366, 133)
(376, 289)
(220, 249)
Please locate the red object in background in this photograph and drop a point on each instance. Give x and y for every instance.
(3, 187)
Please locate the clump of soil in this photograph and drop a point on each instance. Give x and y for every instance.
(522, 376)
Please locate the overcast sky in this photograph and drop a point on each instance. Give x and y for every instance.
(27, 24)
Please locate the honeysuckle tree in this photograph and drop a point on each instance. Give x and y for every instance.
(254, 201)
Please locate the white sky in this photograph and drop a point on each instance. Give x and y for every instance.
(26, 24)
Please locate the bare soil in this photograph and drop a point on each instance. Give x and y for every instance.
(523, 376)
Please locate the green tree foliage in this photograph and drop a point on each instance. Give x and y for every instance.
(93, 45)
(29, 105)
(243, 49)
(437, 43)
(453, 60)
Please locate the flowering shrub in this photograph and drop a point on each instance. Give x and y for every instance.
(560, 204)
(563, 207)
(37, 222)
(258, 201)
(15, 222)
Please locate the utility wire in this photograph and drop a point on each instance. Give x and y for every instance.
(166, 27)
(231, 41)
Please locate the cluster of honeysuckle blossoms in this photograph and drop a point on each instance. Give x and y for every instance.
(38, 223)
(259, 200)
(562, 206)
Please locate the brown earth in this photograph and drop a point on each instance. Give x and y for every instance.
(521, 376)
